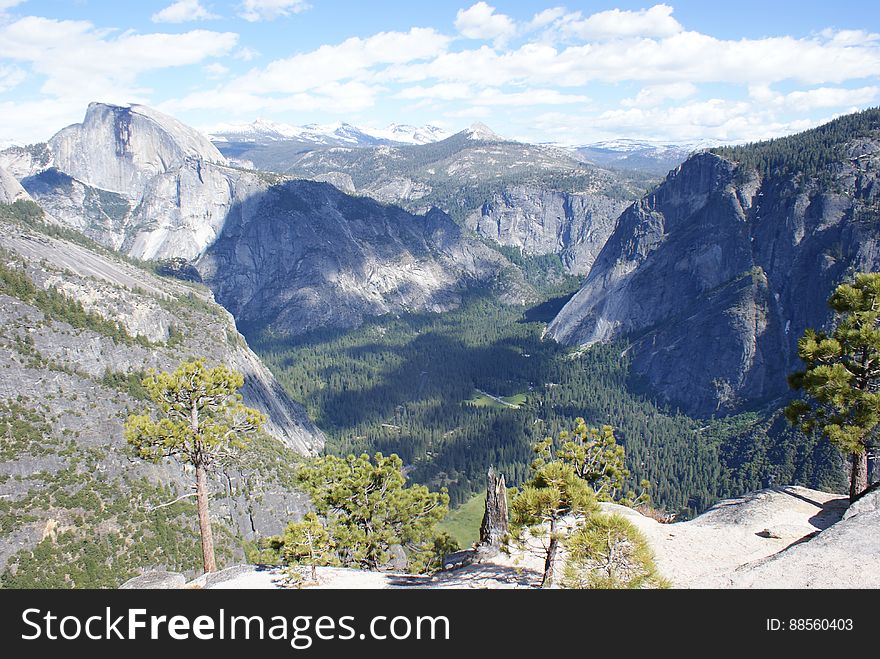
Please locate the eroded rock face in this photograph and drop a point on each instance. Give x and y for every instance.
(121, 149)
(303, 255)
(10, 189)
(540, 221)
(714, 276)
(132, 179)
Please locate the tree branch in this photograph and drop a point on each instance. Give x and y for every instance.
(171, 503)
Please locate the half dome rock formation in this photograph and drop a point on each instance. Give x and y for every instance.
(121, 149)
(133, 179)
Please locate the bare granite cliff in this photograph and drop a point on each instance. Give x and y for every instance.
(712, 277)
(132, 179)
(303, 255)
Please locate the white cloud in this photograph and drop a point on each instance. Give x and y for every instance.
(814, 99)
(81, 63)
(246, 54)
(355, 58)
(36, 121)
(267, 10)
(714, 120)
(11, 77)
(215, 70)
(496, 97)
(342, 78)
(545, 18)
(686, 57)
(333, 97)
(442, 92)
(492, 97)
(9, 4)
(481, 22)
(656, 22)
(473, 112)
(183, 11)
(654, 95)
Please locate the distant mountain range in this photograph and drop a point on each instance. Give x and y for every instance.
(649, 157)
(627, 154)
(336, 134)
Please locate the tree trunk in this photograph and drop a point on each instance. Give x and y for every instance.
(204, 520)
(550, 562)
(858, 481)
(494, 526)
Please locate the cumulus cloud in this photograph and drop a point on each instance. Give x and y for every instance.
(215, 70)
(341, 78)
(813, 99)
(11, 77)
(183, 11)
(80, 60)
(481, 22)
(718, 121)
(654, 95)
(656, 22)
(267, 10)
(354, 60)
(686, 57)
(78, 63)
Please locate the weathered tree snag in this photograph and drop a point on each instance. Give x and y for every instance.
(494, 527)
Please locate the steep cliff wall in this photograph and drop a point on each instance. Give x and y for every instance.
(714, 276)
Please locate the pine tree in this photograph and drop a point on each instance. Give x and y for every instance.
(596, 457)
(202, 420)
(608, 551)
(369, 508)
(549, 506)
(842, 376)
(307, 542)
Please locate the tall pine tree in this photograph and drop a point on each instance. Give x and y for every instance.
(842, 376)
(202, 420)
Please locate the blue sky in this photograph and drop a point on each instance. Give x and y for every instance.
(565, 72)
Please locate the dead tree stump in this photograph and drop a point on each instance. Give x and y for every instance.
(494, 527)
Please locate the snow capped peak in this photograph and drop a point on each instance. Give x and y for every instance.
(480, 131)
(338, 133)
(407, 134)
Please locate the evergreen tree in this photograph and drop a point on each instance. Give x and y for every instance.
(842, 376)
(307, 542)
(608, 551)
(369, 508)
(596, 457)
(202, 420)
(549, 506)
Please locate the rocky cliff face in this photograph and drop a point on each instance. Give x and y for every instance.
(297, 255)
(121, 149)
(540, 221)
(713, 277)
(539, 199)
(133, 179)
(10, 189)
(69, 488)
(303, 255)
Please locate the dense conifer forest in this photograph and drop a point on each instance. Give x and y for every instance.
(809, 155)
(455, 393)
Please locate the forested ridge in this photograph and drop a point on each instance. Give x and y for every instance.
(811, 154)
(455, 393)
